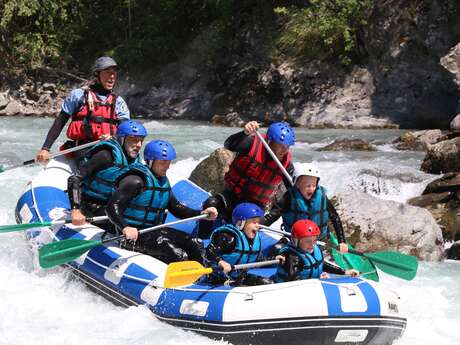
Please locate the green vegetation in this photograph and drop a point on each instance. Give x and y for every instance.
(35, 33)
(324, 29)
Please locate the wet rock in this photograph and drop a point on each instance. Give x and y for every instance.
(429, 199)
(349, 145)
(443, 157)
(455, 123)
(419, 140)
(451, 62)
(232, 120)
(453, 252)
(209, 174)
(374, 224)
(449, 182)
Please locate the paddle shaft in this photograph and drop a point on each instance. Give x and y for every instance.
(143, 231)
(57, 154)
(254, 265)
(88, 220)
(277, 161)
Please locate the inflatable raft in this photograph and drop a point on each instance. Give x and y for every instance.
(340, 310)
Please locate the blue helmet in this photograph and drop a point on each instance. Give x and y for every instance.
(246, 210)
(281, 133)
(131, 129)
(159, 149)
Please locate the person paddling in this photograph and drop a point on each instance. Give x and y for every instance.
(140, 200)
(253, 175)
(95, 112)
(307, 199)
(90, 189)
(237, 243)
(303, 259)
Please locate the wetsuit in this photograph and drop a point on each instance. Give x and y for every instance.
(241, 144)
(283, 205)
(224, 244)
(168, 245)
(296, 266)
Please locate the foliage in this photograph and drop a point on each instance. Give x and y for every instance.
(325, 29)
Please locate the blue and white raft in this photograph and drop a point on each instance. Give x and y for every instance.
(339, 310)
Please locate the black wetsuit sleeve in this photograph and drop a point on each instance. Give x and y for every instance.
(180, 210)
(128, 188)
(100, 160)
(55, 130)
(277, 209)
(290, 170)
(336, 222)
(239, 143)
(222, 243)
(330, 268)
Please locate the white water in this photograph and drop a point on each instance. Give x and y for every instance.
(38, 307)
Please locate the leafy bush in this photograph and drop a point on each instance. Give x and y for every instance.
(325, 29)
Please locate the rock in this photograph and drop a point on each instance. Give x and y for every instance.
(455, 123)
(349, 145)
(443, 157)
(429, 199)
(231, 120)
(450, 182)
(209, 174)
(13, 108)
(419, 140)
(3, 100)
(453, 253)
(49, 87)
(451, 62)
(374, 224)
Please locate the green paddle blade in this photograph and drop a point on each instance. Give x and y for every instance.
(61, 252)
(350, 261)
(397, 264)
(20, 227)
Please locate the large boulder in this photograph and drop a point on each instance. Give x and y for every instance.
(209, 174)
(443, 157)
(349, 145)
(455, 123)
(374, 224)
(231, 119)
(418, 140)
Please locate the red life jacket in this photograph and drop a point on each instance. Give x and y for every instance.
(255, 177)
(97, 117)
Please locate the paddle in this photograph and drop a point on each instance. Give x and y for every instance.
(187, 272)
(61, 252)
(26, 226)
(57, 154)
(394, 263)
(349, 261)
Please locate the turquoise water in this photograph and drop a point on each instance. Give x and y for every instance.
(39, 307)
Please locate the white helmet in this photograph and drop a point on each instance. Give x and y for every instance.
(308, 169)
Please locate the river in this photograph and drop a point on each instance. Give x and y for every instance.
(39, 307)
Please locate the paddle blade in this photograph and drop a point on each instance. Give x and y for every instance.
(61, 252)
(397, 264)
(20, 227)
(184, 273)
(350, 261)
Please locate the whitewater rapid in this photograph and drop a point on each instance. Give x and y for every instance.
(47, 307)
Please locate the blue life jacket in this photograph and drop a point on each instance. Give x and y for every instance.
(148, 208)
(312, 264)
(315, 209)
(101, 186)
(244, 252)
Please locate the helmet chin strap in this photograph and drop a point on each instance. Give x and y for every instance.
(240, 224)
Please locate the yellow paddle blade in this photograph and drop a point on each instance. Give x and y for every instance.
(184, 273)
